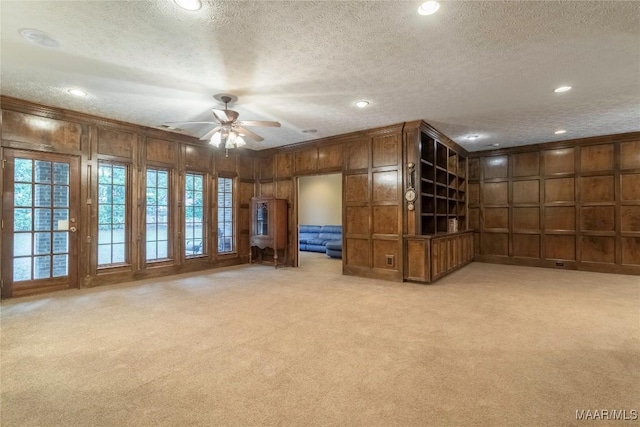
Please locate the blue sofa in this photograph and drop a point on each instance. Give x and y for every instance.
(314, 238)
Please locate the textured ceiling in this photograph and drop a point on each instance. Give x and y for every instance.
(484, 68)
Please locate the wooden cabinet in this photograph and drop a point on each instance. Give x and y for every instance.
(431, 257)
(268, 231)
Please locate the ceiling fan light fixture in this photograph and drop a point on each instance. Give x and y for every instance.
(191, 5)
(240, 142)
(428, 8)
(215, 140)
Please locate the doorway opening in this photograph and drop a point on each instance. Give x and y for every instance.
(319, 222)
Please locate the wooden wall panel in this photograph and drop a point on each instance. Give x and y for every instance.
(526, 245)
(575, 201)
(526, 164)
(495, 244)
(198, 158)
(284, 190)
(630, 218)
(358, 252)
(474, 169)
(330, 157)
(244, 219)
(385, 220)
(161, 150)
(631, 187)
(559, 161)
(597, 189)
(560, 247)
(267, 189)
(357, 220)
(598, 249)
(631, 250)
(598, 218)
(474, 218)
(265, 166)
(495, 193)
(284, 165)
(306, 160)
(358, 155)
(526, 219)
(630, 155)
(357, 188)
(246, 167)
(496, 218)
(116, 143)
(385, 150)
(473, 194)
(226, 163)
(596, 158)
(32, 129)
(560, 218)
(246, 192)
(559, 190)
(495, 167)
(526, 191)
(385, 186)
(382, 249)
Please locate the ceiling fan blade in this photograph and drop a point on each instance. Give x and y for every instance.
(259, 123)
(249, 134)
(190, 123)
(209, 134)
(220, 115)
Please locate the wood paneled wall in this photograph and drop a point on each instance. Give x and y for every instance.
(371, 164)
(27, 126)
(573, 204)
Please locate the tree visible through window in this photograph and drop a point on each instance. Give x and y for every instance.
(226, 241)
(112, 208)
(194, 214)
(157, 196)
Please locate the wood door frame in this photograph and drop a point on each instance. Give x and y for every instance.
(45, 285)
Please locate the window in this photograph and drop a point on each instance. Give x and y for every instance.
(41, 218)
(194, 214)
(112, 208)
(157, 214)
(226, 241)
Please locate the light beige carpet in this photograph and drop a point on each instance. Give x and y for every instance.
(488, 345)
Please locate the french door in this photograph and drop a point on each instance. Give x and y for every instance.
(39, 222)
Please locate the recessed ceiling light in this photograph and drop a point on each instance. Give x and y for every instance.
(495, 145)
(39, 37)
(560, 132)
(310, 131)
(429, 8)
(473, 137)
(562, 89)
(362, 104)
(189, 4)
(77, 92)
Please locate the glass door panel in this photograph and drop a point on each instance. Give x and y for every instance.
(37, 232)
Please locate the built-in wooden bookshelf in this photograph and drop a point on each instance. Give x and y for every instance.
(443, 186)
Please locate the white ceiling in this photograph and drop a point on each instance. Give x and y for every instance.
(486, 68)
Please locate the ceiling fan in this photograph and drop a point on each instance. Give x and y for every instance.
(228, 130)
